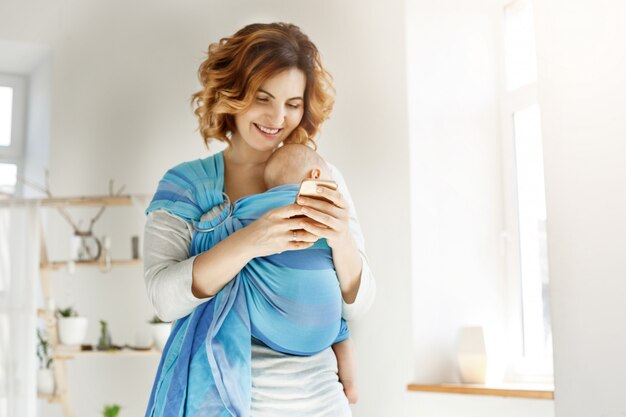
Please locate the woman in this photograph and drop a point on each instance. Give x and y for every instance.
(263, 86)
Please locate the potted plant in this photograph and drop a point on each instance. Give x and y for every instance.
(160, 332)
(111, 410)
(45, 375)
(72, 328)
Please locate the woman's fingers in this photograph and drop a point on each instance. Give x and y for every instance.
(318, 231)
(302, 236)
(325, 219)
(320, 205)
(333, 195)
(286, 211)
(322, 218)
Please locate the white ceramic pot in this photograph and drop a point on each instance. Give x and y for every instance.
(45, 381)
(160, 333)
(143, 337)
(472, 355)
(72, 330)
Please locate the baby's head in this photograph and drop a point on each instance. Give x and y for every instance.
(292, 163)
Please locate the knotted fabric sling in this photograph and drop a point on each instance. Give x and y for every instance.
(289, 301)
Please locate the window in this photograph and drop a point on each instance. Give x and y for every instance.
(12, 101)
(6, 113)
(8, 178)
(519, 51)
(527, 255)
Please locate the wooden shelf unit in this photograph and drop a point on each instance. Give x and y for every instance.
(46, 268)
(56, 265)
(49, 398)
(65, 354)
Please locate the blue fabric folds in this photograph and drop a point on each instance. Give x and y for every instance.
(289, 301)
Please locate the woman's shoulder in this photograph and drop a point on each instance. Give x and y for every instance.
(190, 188)
(210, 167)
(336, 175)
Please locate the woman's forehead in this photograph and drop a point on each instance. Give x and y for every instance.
(285, 85)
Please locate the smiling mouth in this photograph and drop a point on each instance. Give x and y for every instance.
(267, 131)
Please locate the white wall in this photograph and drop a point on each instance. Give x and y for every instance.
(582, 87)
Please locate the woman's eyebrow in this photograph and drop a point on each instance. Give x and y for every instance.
(292, 98)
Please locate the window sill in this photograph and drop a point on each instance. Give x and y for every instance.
(535, 391)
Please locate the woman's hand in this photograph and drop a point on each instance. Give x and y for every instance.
(276, 232)
(331, 219)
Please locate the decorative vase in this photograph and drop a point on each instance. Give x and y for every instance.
(72, 330)
(45, 381)
(84, 246)
(104, 342)
(160, 334)
(472, 355)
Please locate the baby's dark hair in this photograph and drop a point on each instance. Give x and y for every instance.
(291, 163)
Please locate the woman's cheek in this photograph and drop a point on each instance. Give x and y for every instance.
(296, 119)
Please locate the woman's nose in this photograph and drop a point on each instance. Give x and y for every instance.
(276, 116)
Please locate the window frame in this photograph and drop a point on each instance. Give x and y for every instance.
(511, 101)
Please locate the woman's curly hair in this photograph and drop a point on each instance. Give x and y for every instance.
(236, 67)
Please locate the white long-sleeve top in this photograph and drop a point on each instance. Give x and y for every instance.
(312, 381)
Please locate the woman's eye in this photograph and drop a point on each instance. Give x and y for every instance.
(294, 106)
(262, 99)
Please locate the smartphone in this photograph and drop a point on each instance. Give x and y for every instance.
(308, 188)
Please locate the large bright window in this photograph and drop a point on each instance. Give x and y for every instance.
(527, 255)
(12, 104)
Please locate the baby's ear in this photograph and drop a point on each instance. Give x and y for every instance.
(315, 173)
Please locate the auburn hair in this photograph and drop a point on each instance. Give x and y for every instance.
(236, 67)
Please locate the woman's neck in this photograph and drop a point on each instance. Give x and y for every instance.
(240, 153)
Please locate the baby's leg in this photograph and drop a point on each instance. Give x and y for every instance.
(347, 370)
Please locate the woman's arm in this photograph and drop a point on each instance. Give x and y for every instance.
(337, 222)
(364, 291)
(213, 269)
(167, 266)
(176, 284)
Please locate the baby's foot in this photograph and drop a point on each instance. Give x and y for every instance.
(349, 388)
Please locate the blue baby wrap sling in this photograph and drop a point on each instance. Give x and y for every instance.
(289, 301)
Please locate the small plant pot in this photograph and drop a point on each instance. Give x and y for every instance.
(45, 381)
(160, 334)
(143, 337)
(72, 330)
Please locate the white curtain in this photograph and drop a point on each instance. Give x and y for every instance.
(19, 274)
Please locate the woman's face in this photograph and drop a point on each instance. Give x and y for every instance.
(274, 113)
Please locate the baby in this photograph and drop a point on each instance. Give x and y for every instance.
(290, 164)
